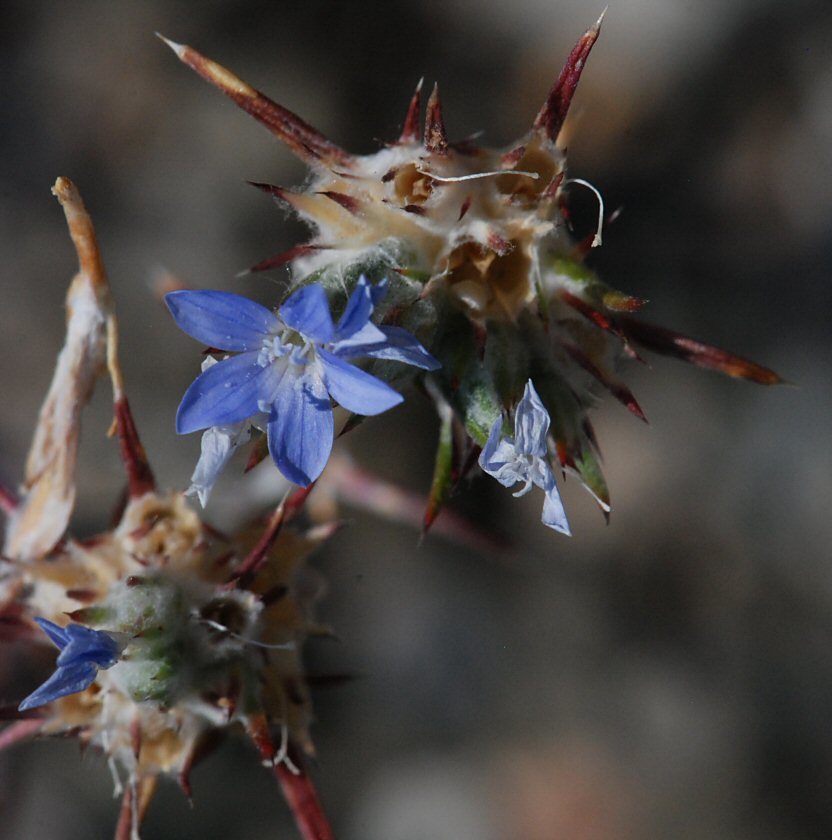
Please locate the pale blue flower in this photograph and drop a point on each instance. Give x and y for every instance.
(83, 652)
(216, 447)
(289, 365)
(525, 457)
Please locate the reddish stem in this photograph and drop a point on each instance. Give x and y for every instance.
(19, 731)
(125, 815)
(134, 807)
(139, 475)
(303, 800)
(284, 512)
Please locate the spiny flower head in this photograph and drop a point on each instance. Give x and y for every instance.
(482, 269)
(177, 633)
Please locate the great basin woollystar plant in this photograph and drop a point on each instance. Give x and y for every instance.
(447, 264)
(472, 246)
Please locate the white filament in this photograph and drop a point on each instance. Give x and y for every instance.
(282, 754)
(596, 240)
(222, 628)
(134, 811)
(451, 179)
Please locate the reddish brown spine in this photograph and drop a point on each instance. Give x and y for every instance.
(410, 129)
(552, 115)
(670, 343)
(305, 141)
(436, 140)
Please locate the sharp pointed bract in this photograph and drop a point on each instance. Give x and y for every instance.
(276, 192)
(620, 391)
(410, 129)
(670, 343)
(305, 141)
(436, 140)
(282, 258)
(599, 318)
(346, 201)
(465, 207)
(311, 205)
(140, 478)
(552, 115)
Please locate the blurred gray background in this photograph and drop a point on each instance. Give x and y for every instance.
(668, 675)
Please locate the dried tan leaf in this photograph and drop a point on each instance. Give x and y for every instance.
(48, 494)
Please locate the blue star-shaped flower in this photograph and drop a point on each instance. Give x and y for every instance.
(525, 457)
(83, 652)
(288, 366)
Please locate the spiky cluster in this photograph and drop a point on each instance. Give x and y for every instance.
(210, 627)
(481, 264)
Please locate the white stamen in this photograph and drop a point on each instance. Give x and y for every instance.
(596, 240)
(118, 788)
(298, 354)
(528, 485)
(449, 179)
(282, 754)
(223, 629)
(273, 348)
(134, 811)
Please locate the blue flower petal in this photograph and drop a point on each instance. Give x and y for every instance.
(355, 389)
(553, 513)
(57, 634)
(68, 680)
(307, 311)
(368, 336)
(86, 644)
(487, 461)
(300, 430)
(226, 393)
(83, 652)
(499, 458)
(216, 448)
(531, 424)
(358, 311)
(221, 319)
(398, 344)
(378, 292)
